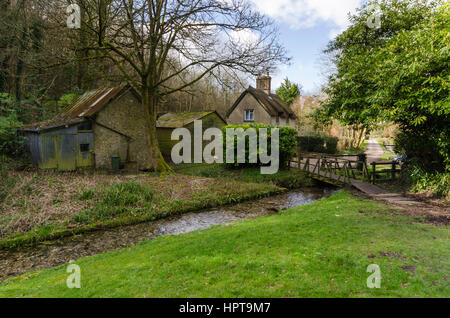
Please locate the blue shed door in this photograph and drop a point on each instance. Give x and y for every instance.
(67, 159)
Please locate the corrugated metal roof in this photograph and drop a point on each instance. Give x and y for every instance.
(83, 107)
(178, 120)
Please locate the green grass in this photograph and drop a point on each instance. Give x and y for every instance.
(289, 179)
(319, 250)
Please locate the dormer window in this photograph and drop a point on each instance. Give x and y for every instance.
(249, 115)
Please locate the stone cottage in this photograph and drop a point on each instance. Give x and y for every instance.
(259, 105)
(100, 124)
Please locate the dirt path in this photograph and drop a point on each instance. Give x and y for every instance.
(374, 151)
(431, 212)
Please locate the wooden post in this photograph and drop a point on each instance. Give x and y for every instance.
(393, 171)
(306, 167)
(347, 173)
(374, 172)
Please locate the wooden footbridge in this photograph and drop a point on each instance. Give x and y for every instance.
(345, 170)
(349, 171)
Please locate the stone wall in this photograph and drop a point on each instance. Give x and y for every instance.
(249, 102)
(123, 114)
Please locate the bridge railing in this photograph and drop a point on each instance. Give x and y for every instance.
(342, 169)
(393, 170)
(338, 168)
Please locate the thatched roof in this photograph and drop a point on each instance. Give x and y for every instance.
(178, 120)
(272, 103)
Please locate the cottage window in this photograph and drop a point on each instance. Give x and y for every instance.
(249, 115)
(84, 147)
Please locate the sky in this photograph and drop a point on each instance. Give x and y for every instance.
(306, 26)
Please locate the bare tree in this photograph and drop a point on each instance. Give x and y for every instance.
(154, 41)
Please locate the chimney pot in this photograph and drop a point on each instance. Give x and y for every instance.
(264, 83)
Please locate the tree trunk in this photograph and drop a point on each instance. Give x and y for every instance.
(4, 44)
(156, 161)
(82, 54)
(360, 138)
(4, 75)
(19, 66)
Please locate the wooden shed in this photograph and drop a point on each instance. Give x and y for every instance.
(100, 124)
(170, 121)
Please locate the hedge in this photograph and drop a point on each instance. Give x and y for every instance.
(287, 143)
(318, 144)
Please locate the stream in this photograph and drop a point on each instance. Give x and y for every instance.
(19, 261)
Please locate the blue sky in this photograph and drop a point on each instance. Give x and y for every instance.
(306, 26)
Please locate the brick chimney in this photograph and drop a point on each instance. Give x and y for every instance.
(264, 82)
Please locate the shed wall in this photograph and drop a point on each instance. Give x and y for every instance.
(125, 115)
(60, 148)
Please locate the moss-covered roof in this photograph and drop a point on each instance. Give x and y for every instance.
(178, 120)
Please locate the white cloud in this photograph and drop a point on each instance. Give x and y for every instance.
(309, 13)
(244, 37)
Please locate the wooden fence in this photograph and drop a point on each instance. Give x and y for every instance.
(393, 171)
(342, 168)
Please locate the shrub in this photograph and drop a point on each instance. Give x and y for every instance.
(128, 194)
(424, 150)
(87, 195)
(436, 183)
(127, 198)
(10, 143)
(287, 144)
(318, 144)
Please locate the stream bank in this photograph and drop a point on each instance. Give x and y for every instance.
(15, 262)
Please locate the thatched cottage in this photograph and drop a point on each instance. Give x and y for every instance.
(259, 105)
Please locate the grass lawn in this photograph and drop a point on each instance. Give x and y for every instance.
(319, 250)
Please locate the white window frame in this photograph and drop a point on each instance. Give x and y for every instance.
(249, 115)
